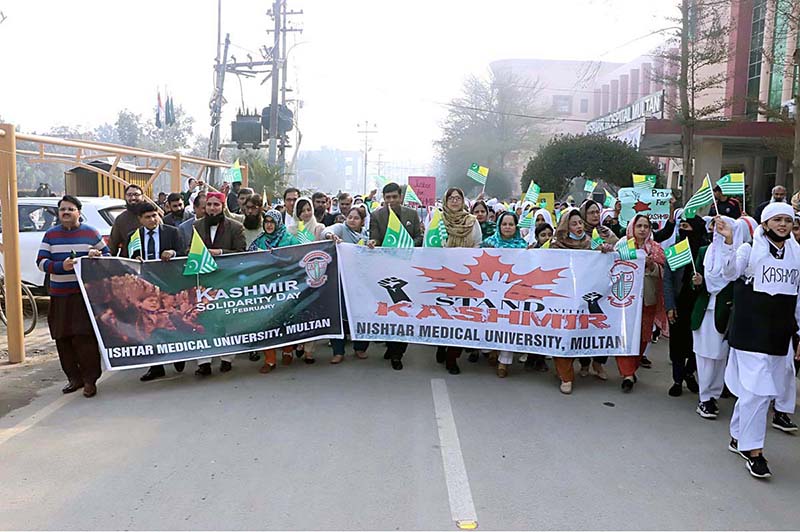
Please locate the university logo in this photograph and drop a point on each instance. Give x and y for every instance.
(316, 266)
(622, 276)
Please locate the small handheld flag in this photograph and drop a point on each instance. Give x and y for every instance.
(135, 244)
(732, 184)
(527, 221)
(590, 186)
(704, 196)
(679, 255)
(533, 192)
(396, 235)
(236, 172)
(199, 259)
(597, 240)
(411, 196)
(478, 173)
(546, 245)
(626, 249)
(610, 200)
(303, 234)
(436, 233)
(644, 181)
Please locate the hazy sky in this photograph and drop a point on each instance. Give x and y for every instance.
(390, 62)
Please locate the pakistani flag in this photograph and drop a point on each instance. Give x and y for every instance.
(396, 235)
(303, 234)
(478, 173)
(236, 172)
(533, 192)
(626, 249)
(597, 240)
(732, 184)
(590, 186)
(411, 196)
(135, 244)
(643, 181)
(679, 255)
(704, 196)
(436, 233)
(527, 221)
(199, 259)
(610, 200)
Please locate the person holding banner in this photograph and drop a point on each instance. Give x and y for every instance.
(68, 318)
(570, 234)
(765, 315)
(481, 212)
(304, 214)
(640, 230)
(680, 297)
(542, 217)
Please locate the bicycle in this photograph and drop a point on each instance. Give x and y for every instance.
(30, 312)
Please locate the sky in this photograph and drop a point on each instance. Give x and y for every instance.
(390, 63)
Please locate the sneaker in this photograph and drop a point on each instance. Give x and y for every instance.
(627, 385)
(523, 358)
(783, 423)
(704, 409)
(599, 371)
(712, 404)
(757, 465)
(566, 388)
(733, 447)
(676, 390)
(646, 363)
(691, 384)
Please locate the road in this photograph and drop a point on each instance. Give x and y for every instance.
(360, 446)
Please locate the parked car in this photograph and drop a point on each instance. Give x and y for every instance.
(37, 215)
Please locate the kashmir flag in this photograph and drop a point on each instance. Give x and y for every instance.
(303, 234)
(597, 240)
(199, 259)
(679, 255)
(159, 111)
(626, 249)
(732, 184)
(704, 196)
(527, 221)
(478, 173)
(236, 172)
(411, 196)
(533, 192)
(543, 204)
(546, 245)
(169, 112)
(135, 244)
(644, 181)
(396, 235)
(610, 200)
(436, 233)
(590, 186)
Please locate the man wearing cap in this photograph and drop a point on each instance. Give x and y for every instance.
(221, 235)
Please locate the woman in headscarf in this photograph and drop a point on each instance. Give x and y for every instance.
(351, 232)
(765, 315)
(541, 217)
(542, 235)
(481, 212)
(570, 234)
(304, 212)
(590, 212)
(274, 236)
(679, 299)
(463, 231)
(710, 321)
(640, 230)
(610, 218)
(507, 236)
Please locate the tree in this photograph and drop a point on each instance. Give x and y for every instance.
(596, 156)
(260, 175)
(491, 124)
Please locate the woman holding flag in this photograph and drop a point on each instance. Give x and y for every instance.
(641, 232)
(306, 228)
(463, 231)
(765, 315)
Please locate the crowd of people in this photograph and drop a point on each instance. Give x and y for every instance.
(730, 317)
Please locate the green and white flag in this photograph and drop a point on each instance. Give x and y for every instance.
(436, 233)
(135, 244)
(610, 200)
(704, 196)
(411, 196)
(533, 192)
(199, 259)
(679, 255)
(303, 235)
(626, 249)
(478, 173)
(597, 240)
(527, 221)
(589, 186)
(396, 235)
(732, 184)
(643, 181)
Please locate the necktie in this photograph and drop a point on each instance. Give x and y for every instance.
(151, 245)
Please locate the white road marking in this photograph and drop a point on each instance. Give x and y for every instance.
(462, 509)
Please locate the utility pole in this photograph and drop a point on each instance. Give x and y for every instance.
(796, 158)
(273, 109)
(366, 132)
(284, 75)
(216, 107)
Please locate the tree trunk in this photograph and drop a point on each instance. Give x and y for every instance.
(685, 115)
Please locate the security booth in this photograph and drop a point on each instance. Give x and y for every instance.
(81, 181)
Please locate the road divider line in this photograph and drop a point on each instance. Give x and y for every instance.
(462, 508)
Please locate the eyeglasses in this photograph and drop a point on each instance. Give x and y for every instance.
(455, 197)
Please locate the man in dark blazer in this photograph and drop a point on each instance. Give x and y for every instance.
(378, 222)
(158, 241)
(221, 235)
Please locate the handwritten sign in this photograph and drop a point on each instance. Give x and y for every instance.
(425, 187)
(653, 202)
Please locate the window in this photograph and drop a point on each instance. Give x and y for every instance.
(780, 36)
(585, 105)
(562, 104)
(33, 218)
(754, 68)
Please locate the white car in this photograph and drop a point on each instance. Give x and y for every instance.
(37, 215)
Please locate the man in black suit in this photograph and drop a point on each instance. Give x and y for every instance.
(778, 196)
(158, 241)
(378, 222)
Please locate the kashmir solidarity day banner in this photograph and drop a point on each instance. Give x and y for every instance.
(147, 313)
(556, 302)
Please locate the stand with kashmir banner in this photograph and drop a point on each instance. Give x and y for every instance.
(147, 313)
(556, 302)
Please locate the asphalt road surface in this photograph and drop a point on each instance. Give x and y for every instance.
(360, 446)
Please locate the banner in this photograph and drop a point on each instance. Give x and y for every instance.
(654, 202)
(425, 187)
(147, 313)
(556, 302)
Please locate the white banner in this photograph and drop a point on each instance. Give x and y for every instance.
(556, 302)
